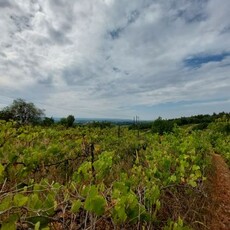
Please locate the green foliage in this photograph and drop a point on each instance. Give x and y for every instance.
(100, 124)
(178, 225)
(6, 203)
(76, 206)
(94, 201)
(48, 121)
(162, 126)
(1, 172)
(103, 164)
(127, 205)
(22, 112)
(8, 225)
(34, 202)
(200, 126)
(222, 125)
(63, 121)
(83, 173)
(219, 137)
(6, 114)
(42, 220)
(68, 121)
(50, 173)
(20, 200)
(201, 119)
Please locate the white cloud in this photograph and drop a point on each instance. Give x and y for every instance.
(105, 58)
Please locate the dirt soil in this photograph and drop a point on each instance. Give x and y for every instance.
(220, 195)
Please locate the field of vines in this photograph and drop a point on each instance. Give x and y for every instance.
(110, 178)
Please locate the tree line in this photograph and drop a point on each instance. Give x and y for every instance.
(198, 122)
(27, 113)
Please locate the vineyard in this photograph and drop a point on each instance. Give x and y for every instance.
(106, 178)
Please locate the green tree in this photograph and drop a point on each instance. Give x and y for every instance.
(63, 121)
(161, 126)
(6, 115)
(70, 120)
(48, 121)
(23, 112)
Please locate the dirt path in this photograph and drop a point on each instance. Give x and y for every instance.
(220, 195)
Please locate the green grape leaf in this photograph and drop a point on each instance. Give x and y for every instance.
(49, 204)
(167, 164)
(192, 183)
(1, 170)
(76, 206)
(46, 228)
(37, 226)
(172, 178)
(158, 205)
(8, 226)
(153, 194)
(5, 204)
(198, 173)
(119, 213)
(37, 187)
(44, 221)
(20, 200)
(180, 222)
(34, 202)
(95, 204)
(195, 167)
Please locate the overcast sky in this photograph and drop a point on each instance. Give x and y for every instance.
(116, 58)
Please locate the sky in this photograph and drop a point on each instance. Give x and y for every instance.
(116, 58)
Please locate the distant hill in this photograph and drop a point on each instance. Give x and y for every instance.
(90, 120)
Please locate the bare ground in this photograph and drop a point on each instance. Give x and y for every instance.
(219, 207)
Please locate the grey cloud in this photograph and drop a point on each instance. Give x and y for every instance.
(21, 22)
(78, 76)
(191, 11)
(63, 13)
(189, 18)
(117, 70)
(116, 33)
(5, 3)
(129, 19)
(226, 29)
(133, 16)
(113, 54)
(3, 55)
(46, 81)
(73, 76)
(58, 37)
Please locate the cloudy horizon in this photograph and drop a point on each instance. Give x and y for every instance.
(116, 59)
